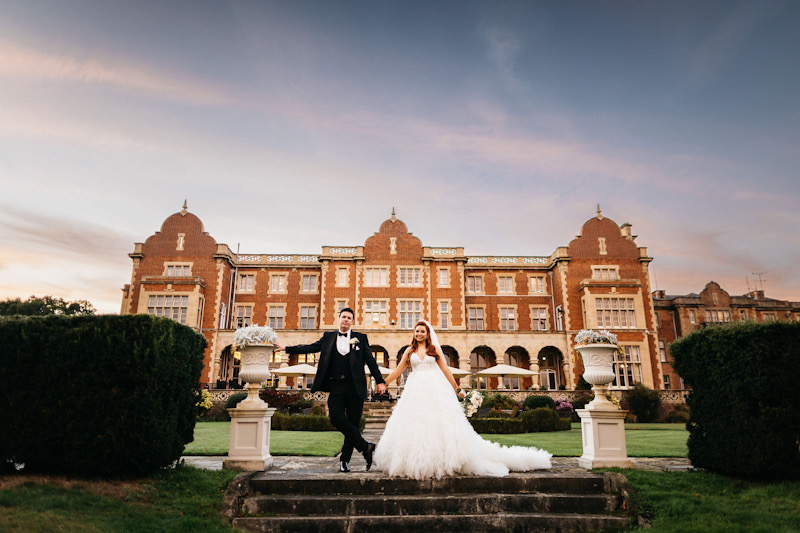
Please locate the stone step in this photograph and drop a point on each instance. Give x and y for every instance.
(514, 483)
(429, 504)
(502, 522)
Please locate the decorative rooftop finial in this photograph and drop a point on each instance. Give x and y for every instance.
(599, 214)
(393, 217)
(183, 213)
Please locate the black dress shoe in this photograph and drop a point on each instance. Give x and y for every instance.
(344, 467)
(368, 454)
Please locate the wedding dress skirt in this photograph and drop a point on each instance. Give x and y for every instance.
(429, 436)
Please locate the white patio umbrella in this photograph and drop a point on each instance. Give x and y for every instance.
(302, 370)
(383, 370)
(458, 373)
(504, 370)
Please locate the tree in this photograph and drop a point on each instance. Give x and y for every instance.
(46, 305)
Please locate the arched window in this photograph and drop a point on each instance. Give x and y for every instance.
(482, 358)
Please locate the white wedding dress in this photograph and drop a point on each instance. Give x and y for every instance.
(429, 436)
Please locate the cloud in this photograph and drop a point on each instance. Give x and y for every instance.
(26, 63)
(26, 231)
(503, 47)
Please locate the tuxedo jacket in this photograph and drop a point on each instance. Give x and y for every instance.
(359, 355)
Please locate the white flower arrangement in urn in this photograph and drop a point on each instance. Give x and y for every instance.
(254, 334)
(255, 344)
(597, 349)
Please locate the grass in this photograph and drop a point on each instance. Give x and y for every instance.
(705, 502)
(644, 440)
(184, 499)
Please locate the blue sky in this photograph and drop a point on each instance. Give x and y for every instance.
(497, 126)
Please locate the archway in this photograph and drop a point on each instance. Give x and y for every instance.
(482, 358)
(551, 374)
(380, 354)
(450, 355)
(518, 357)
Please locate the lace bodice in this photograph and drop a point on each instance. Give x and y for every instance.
(429, 363)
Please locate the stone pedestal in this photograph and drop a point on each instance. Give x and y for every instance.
(603, 433)
(249, 446)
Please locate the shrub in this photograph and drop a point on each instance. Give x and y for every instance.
(680, 413)
(534, 402)
(744, 419)
(564, 409)
(544, 419)
(643, 402)
(499, 401)
(234, 399)
(217, 413)
(97, 395)
(285, 422)
(497, 425)
(317, 410)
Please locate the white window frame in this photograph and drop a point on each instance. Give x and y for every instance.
(282, 280)
(276, 319)
(242, 316)
(508, 317)
(379, 272)
(506, 284)
(409, 276)
(536, 285)
(443, 272)
(476, 315)
(617, 312)
(178, 270)
(605, 272)
(309, 321)
(627, 368)
(376, 312)
(478, 286)
(444, 314)
(246, 283)
(539, 319)
(409, 312)
(342, 282)
(309, 283)
(174, 306)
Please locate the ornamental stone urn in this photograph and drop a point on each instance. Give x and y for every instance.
(598, 362)
(252, 418)
(602, 424)
(255, 371)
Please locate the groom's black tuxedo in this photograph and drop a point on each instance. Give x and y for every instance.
(344, 378)
(359, 355)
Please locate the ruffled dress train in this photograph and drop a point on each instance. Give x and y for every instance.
(428, 435)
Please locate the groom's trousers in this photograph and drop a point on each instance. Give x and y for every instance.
(344, 408)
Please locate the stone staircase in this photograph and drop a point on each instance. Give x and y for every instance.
(520, 502)
(377, 414)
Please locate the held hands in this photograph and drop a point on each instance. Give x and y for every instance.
(381, 388)
(279, 347)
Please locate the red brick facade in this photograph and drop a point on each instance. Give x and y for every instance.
(519, 310)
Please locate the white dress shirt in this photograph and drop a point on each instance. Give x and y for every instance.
(343, 342)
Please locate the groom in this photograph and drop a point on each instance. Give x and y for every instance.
(341, 373)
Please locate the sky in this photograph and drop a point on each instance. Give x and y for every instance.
(496, 126)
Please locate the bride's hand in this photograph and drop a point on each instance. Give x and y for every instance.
(461, 394)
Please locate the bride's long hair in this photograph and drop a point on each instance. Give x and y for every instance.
(429, 347)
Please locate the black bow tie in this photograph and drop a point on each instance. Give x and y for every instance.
(342, 334)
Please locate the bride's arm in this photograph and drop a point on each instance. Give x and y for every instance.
(399, 370)
(442, 362)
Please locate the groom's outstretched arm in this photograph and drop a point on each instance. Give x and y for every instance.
(304, 348)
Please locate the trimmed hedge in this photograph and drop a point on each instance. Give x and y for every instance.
(97, 395)
(744, 417)
(537, 420)
(544, 419)
(284, 422)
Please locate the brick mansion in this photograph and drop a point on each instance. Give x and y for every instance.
(520, 310)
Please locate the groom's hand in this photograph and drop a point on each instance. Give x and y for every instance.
(279, 347)
(381, 388)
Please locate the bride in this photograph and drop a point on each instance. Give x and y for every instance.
(428, 434)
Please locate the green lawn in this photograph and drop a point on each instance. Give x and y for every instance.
(705, 502)
(644, 440)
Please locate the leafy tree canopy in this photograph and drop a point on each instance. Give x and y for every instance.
(46, 305)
